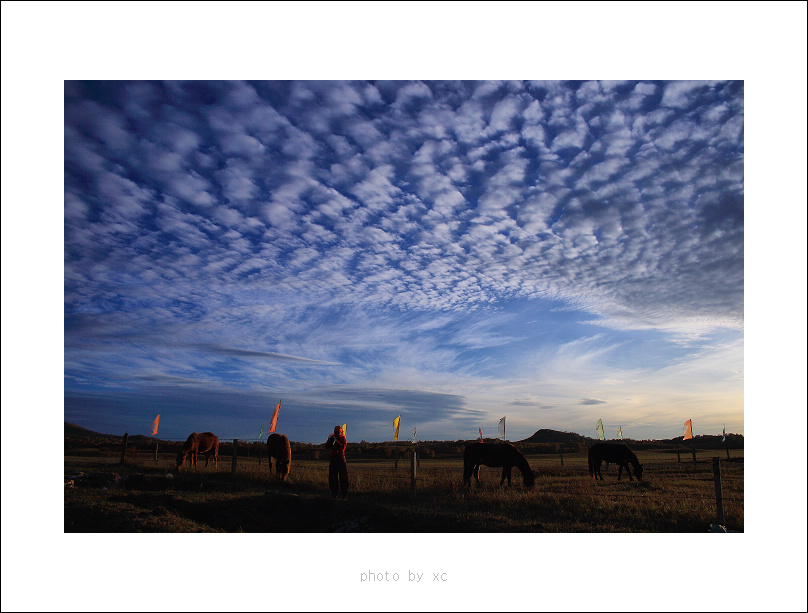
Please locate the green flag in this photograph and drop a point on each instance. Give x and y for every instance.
(261, 432)
(601, 436)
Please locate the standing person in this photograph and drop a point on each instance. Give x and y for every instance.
(337, 468)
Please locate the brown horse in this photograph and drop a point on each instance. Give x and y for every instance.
(206, 443)
(495, 454)
(619, 453)
(278, 447)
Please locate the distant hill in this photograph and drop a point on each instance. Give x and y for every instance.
(78, 433)
(565, 441)
(569, 439)
(74, 430)
(554, 436)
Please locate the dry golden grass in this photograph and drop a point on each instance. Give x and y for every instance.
(673, 497)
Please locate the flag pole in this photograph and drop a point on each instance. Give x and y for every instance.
(260, 440)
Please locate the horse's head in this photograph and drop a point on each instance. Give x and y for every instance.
(530, 477)
(180, 460)
(638, 472)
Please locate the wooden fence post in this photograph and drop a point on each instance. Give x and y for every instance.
(693, 451)
(123, 451)
(413, 471)
(719, 501)
(235, 455)
(156, 445)
(561, 453)
(678, 457)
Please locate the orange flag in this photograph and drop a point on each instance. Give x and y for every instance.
(155, 425)
(274, 421)
(688, 430)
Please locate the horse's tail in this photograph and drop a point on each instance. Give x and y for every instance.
(468, 464)
(591, 463)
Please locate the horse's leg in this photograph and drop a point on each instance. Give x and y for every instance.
(597, 470)
(628, 472)
(476, 473)
(506, 474)
(619, 470)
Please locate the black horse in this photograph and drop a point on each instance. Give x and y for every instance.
(495, 454)
(618, 453)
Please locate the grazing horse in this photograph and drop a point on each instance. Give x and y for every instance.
(206, 443)
(278, 448)
(618, 453)
(495, 454)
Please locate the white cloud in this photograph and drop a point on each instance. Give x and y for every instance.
(678, 94)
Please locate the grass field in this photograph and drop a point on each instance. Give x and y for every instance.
(145, 495)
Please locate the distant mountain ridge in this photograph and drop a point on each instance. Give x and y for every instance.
(554, 436)
(542, 436)
(74, 431)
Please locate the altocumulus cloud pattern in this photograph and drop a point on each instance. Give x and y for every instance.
(362, 247)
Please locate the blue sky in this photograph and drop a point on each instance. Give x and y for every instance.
(556, 252)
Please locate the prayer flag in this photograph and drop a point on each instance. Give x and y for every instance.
(501, 430)
(274, 421)
(414, 437)
(481, 434)
(688, 429)
(261, 431)
(396, 421)
(601, 436)
(345, 430)
(155, 425)
(619, 432)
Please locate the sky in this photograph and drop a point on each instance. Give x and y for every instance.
(454, 252)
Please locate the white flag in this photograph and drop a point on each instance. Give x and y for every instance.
(501, 431)
(414, 438)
